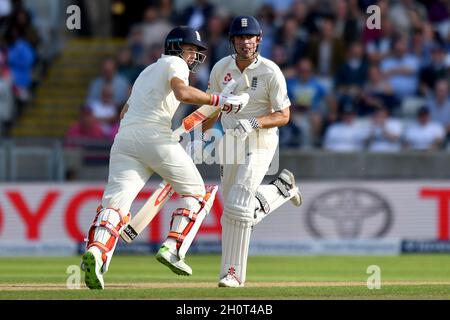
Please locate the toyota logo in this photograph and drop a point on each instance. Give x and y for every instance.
(349, 213)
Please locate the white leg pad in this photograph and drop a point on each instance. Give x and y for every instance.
(105, 232)
(183, 230)
(273, 200)
(235, 245)
(272, 196)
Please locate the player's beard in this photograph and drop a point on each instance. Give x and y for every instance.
(242, 55)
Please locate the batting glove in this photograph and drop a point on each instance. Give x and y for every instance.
(245, 127)
(230, 103)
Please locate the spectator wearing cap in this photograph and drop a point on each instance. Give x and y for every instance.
(346, 135)
(424, 134)
(384, 132)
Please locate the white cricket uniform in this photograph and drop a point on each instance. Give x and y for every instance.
(268, 93)
(144, 144)
(241, 180)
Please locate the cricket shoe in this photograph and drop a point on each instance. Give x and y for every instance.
(288, 179)
(230, 280)
(92, 265)
(172, 261)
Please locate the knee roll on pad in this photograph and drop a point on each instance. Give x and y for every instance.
(240, 203)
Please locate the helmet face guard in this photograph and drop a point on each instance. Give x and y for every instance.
(177, 50)
(185, 35)
(244, 26)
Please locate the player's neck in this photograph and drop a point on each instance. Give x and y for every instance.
(242, 64)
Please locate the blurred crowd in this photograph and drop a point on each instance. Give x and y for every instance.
(352, 88)
(19, 58)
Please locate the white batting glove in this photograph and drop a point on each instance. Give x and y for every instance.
(245, 127)
(229, 102)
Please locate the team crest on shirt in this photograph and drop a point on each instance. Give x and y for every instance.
(254, 83)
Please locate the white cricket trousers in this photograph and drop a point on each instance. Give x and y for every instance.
(251, 162)
(139, 152)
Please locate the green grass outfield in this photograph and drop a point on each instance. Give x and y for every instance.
(142, 277)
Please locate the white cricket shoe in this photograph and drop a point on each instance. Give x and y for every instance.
(288, 178)
(171, 260)
(92, 266)
(230, 280)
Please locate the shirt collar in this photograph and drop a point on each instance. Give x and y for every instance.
(254, 65)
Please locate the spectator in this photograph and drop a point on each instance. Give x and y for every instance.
(424, 134)
(439, 105)
(401, 12)
(279, 56)
(135, 43)
(346, 135)
(326, 52)
(289, 38)
(120, 85)
(439, 15)
(22, 21)
(21, 57)
(85, 130)
(7, 106)
(308, 98)
(378, 48)
(197, 14)
(104, 110)
(218, 46)
(401, 69)
(266, 17)
(347, 26)
(433, 71)
(154, 27)
(376, 89)
(422, 43)
(352, 75)
(384, 133)
(126, 67)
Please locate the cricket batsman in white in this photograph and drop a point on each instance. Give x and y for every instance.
(145, 145)
(247, 202)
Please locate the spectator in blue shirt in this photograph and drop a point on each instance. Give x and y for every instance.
(307, 96)
(401, 70)
(21, 57)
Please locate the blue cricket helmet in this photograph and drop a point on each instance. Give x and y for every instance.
(244, 25)
(183, 35)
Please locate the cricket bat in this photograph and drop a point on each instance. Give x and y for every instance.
(164, 192)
